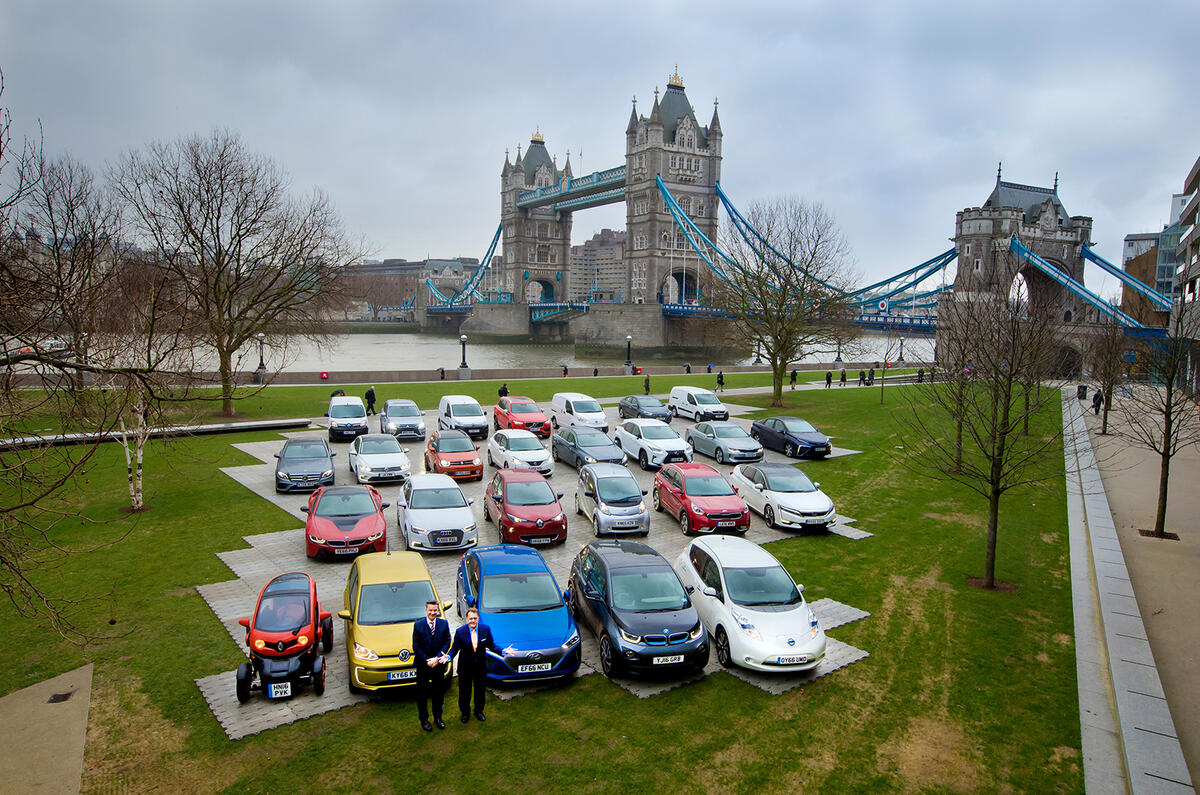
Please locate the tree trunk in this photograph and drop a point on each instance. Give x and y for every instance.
(958, 443)
(989, 564)
(1164, 476)
(1104, 412)
(882, 381)
(777, 372)
(225, 360)
(1025, 416)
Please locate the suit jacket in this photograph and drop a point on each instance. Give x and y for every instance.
(473, 659)
(426, 645)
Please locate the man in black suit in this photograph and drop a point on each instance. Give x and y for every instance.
(472, 643)
(431, 648)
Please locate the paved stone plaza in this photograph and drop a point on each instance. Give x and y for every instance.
(270, 554)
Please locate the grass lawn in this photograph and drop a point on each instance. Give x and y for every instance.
(963, 691)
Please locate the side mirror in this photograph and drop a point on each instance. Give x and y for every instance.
(304, 508)
(446, 605)
(470, 500)
(331, 455)
(277, 455)
(404, 450)
(470, 601)
(566, 596)
(326, 614)
(384, 505)
(589, 493)
(644, 492)
(245, 622)
(690, 588)
(710, 591)
(799, 587)
(344, 614)
(758, 486)
(477, 447)
(816, 485)
(326, 414)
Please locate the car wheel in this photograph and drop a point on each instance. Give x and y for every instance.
(327, 635)
(769, 516)
(596, 524)
(723, 654)
(245, 675)
(554, 453)
(318, 676)
(554, 422)
(495, 424)
(657, 501)
(789, 450)
(671, 411)
(487, 516)
(578, 463)
(506, 464)
(491, 461)
(354, 689)
(578, 507)
(720, 456)
(643, 461)
(684, 524)
(755, 436)
(608, 660)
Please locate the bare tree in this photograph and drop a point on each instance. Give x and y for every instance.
(1158, 413)
(253, 258)
(967, 427)
(786, 292)
(1105, 355)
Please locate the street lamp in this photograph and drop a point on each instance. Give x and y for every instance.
(757, 359)
(262, 363)
(628, 354)
(463, 340)
(838, 358)
(901, 360)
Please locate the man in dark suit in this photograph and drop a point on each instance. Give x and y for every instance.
(431, 648)
(472, 643)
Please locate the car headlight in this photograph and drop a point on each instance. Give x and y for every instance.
(697, 631)
(421, 427)
(363, 469)
(389, 427)
(558, 518)
(697, 509)
(417, 530)
(375, 536)
(475, 461)
(571, 641)
(591, 460)
(747, 626)
(316, 540)
(642, 505)
(813, 624)
(446, 462)
(327, 473)
(471, 528)
(363, 653)
(629, 637)
(512, 518)
(302, 640)
(624, 459)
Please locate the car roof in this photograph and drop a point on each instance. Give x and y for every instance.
(376, 436)
(375, 567)
(695, 468)
(519, 474)
(646, 421)
(621, 553)
(516, 433)
(770, 467)
(459, 399)
(399, 402)
(292, 582)
(786, 417)
(514, 398)
(573, 396)
(304, 442)
(432, 480)
(608, 470)
(348, 489)
(510, 559)
(735, 551)
(345, 399)
(724, 423)
(682, 389)
(450, 433)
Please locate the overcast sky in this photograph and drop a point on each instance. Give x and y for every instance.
(894, 114)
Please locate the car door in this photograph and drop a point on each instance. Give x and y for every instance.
(496, 449)
(561, 445)
(587, 483)
(353, 454)
(745, 488)
(774, 434)
(468, 584)
(494, 500)
(669, 495)
(592, 587)
(502, 417)
(403, 500)
(701, 438)
(623, 407)
(698, 560)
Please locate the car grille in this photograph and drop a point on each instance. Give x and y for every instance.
(810, 513)
(446, 538)
(724, 516)
(305, 480)
(665, 640)
(751, 454)
(349, 542)
(533, 657)
(677, 456)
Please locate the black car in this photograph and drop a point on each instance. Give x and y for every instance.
(304, 464)
(792, 436)
(580, 445)
(643, 406)
(402, 419)
(633, 602)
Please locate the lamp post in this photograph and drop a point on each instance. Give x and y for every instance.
(628, 354)
(838, 358)
(464, 372)
(262, 363)
(757, 359)
(900, 361)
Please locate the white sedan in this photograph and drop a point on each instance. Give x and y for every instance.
(754, 610)
(652, 442)
(519, 450)
(378, 457)
(783, 496)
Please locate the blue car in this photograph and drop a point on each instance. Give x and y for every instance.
(581, 445)
(518, 597)
(791, 436)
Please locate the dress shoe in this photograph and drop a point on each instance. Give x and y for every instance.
(438, 722)
(479, 717)
(426, 725)
(465, 717)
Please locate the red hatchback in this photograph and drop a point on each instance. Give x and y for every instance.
(524, 508)
(345, 520)
(703, 501)
(521, 413)
(452, 453)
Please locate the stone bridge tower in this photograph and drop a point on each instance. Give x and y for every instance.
(536, 242)
(661, 266)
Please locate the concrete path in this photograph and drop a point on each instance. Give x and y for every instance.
(42, 733)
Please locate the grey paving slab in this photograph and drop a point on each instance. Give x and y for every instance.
(837, 656)
(833, 614)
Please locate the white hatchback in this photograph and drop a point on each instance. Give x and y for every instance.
(519, 450)
(755, 611)
(783, 496)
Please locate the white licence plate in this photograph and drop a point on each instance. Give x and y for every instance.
(345, 550)
(281, 690)
(674, 658)
(794, 660)
(540, 540)
(726, 524)
(399, 676)
(533, 668)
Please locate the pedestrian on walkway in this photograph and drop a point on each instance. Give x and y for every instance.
(862, 377)
(595, 372)
(842, 379)
(1097, 401)
(721, 381)
(871, 376)
(503, 390)
(687, 368)
(921, 375)
(370, 400)
(793, 378)
(828, 379)
(566, 374)
(646, 383)
(710, 367)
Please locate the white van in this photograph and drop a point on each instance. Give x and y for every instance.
(462, 413)
(347, 417)
(574, 408)
(695, 402)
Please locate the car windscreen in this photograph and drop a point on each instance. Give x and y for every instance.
(466, 410)
(525, 408)
(346, 410)
(524, 443)
(619, 491)
(729, 432)
(393, 602)
(792, 480)
(658, 432)
(760, 585)
(646, 590)
(283, 613)
(304, 450)
(706, 486)
(455, 444)
(706, 399)
(593, 439)
(515, 593)
(529, 492)
(380, 446)
(355, 503)
(403, 411)
(585, 406)
(649, 402)
(436, 498)
(798, 426)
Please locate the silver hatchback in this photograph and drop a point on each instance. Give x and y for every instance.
(610, 497)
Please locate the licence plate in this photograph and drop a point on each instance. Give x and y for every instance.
(345, 550)
(673, 658)
(540, 540)
(726, 524)
(533, 668)
(281, 690)
(794, 660)
(400, 676)
(624, 525)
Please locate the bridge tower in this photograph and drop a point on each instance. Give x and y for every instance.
(660, 264)
(536, 241)
(1037, 217)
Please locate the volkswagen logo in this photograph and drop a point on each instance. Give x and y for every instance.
(404, 655)
(791, 641)
(541, 522)
(536, 655)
